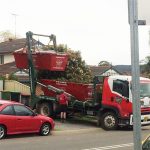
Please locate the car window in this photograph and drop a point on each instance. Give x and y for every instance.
(22, 111)
(8, 110)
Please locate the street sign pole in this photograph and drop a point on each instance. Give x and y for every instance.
(133, 20)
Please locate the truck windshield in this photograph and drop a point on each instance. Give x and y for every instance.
(144, 90)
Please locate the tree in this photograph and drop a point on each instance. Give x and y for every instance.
(145, 67)
(77, 70)
(6, 35)
(104, 63)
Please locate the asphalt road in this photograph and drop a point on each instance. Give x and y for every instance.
(74, 136)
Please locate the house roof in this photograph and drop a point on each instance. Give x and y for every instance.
(124, 69)
(14, 44)
(121, 69)
(98, 70)
(8, 68)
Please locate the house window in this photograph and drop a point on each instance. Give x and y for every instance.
(1, 59)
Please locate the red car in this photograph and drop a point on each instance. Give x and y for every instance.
(16, 118)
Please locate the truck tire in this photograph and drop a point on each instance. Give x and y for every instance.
(109, 121)
(2, 131)
(45, 109)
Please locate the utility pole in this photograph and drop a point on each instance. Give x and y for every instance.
(15, 15)
(133, 21)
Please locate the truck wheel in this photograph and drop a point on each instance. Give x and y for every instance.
(45, 129)
(45, 109)
(2, 131)
(109, 121)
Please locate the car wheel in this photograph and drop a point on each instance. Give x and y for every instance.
(109, 121)
(45, 129)
(2, 131)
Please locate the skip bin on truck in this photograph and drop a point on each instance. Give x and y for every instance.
(108, 99)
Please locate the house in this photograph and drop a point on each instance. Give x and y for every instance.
(7, 61)
(110, 70)
(10, 68)
(124, 69)
(104, 70)
(8, 47)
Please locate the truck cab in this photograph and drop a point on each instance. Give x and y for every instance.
(116, 102)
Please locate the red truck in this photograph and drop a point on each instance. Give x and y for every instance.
(108, 99)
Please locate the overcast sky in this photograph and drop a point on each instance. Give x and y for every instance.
(99, 29)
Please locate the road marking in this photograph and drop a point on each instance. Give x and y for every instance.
(110, 147)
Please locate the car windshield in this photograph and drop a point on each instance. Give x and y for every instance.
(144, 90)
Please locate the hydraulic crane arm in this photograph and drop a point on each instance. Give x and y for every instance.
(32, 72)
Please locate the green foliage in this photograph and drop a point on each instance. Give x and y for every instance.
(104, 63)
(77, 70)
(2, 78)
(145, 68)
(12, 77)
(60, 47)
(9, 77)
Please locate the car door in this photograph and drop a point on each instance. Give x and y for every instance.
(8, 118)
(26, 121)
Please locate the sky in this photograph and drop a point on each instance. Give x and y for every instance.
(99, 29)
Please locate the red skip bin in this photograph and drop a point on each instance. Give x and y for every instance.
(81, 91)
(43, 60)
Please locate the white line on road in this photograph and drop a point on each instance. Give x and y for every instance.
(111, 147)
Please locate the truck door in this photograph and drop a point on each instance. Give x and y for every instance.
(120, 96)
